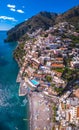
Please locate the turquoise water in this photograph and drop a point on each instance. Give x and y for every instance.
(34, 82)
(12, 109)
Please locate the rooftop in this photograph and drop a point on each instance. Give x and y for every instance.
(57, 65)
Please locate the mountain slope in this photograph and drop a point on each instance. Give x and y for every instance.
(71, 16)
(43, 19)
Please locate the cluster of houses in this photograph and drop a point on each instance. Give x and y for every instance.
(42, 70)
(41, 61)
(67, 113)
(75, 61)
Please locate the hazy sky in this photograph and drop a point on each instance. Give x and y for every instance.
(13, 12)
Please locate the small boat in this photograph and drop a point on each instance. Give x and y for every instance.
(24, 102)
(25, 119)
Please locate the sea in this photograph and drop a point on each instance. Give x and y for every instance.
(14, 110)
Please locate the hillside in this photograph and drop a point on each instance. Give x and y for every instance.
(43, 20)
(71, 16)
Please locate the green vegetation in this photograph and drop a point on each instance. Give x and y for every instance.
(59, 69)
(53, 128)
(42, 20)
(71, 16)
(70, 74)
(73, 125)
(58, 90)
(67, 61)
(24, 74)
(64, 35)
(45, 35)
(75, 39)
(76, 86)
(19, 53)
(54, 112)
(53, 85)
(49, 78)
(24, 38)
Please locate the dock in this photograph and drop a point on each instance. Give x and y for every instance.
(19, 77)
(23, 89)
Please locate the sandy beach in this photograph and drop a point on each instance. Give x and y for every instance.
(39, 112)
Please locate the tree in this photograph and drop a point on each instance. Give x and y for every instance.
(49, 78)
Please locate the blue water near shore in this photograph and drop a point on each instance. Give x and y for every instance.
(12, 110)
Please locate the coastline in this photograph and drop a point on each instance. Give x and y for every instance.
(40, 117)
(49, 69)
(11, 110)
(38, 102)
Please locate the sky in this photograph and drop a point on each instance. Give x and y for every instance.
(13, 12)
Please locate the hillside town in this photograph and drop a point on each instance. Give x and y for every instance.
(49, 73)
